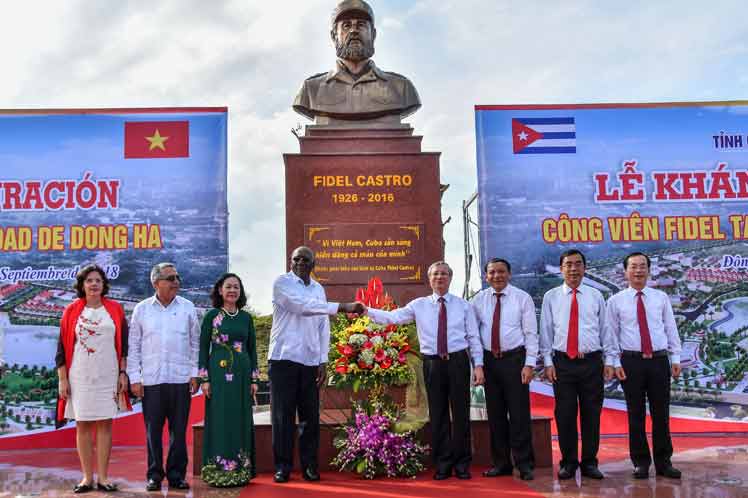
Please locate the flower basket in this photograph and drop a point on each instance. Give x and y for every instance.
(371, 366)
(369, 445)
(364, 355)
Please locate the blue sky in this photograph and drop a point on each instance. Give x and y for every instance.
(252, 56)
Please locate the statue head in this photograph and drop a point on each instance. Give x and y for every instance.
(352, 30)
(378, 95)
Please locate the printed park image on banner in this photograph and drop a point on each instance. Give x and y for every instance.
(670, 180)
(122, 189)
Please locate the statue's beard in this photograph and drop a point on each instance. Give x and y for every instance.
(356, 53)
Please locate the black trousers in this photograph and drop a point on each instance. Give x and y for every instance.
(161, 403)
(579, 386)
(508, 405)
(648, 380)
(293, 388)
(448, 387)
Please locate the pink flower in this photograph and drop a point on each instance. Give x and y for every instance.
(347, 350)
(218, 320)
(401, 357)
(380, 355)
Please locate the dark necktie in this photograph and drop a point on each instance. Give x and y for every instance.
(572, 338)
(496, 327)
(441, 335)
(641, 317)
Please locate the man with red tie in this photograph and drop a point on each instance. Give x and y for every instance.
(448, 337)
(642, 321)
(573, 341)
(509, 333)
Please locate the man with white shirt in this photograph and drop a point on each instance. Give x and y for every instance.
(448, 337)
(509, 334)
(642, 321)
(573, 341)
(297, 357)
(162, 366)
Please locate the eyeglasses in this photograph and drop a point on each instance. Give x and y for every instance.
(172, 278)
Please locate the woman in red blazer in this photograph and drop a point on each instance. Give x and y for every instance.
(91, 362)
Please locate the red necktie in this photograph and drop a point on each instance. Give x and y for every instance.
(572, 338)
(641, 317)
(441, 335)
(496, 327)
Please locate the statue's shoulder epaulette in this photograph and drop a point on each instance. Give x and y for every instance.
(316, 75)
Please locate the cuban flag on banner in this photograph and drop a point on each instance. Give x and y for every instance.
(544, 136)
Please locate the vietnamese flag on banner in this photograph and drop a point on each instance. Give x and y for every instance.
(157, 139)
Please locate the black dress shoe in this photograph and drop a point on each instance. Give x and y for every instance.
(641, 472)
(592, 472)
(504, 470)
(669, 471)
(310, 474)
(463, 474)
(181, 484)
(526, 474)
(107, 488)
(280, 476)
(82, 488)
(567, 473)
(441, 475)
(153, 485)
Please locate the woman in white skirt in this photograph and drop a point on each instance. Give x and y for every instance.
(91, 362)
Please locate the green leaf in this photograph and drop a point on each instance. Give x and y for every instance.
(361, 466)
(356, 385)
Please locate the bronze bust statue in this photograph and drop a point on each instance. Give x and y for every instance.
(355, 90)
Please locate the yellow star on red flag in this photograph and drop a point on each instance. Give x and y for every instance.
(147, 139)
(157, 141)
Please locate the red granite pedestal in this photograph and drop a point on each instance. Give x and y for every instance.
(367, 201)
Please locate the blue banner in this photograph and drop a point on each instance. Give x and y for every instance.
(124, 189)
(670, 180)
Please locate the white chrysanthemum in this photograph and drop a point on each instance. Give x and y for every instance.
(367, 356)
(357, 339)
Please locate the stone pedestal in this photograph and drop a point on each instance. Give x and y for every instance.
(330, 421)
(367, 201)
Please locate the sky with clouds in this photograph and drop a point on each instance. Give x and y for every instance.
(252, 56)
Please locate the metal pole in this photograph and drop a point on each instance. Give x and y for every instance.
(466, 242)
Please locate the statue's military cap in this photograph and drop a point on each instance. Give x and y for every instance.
(351, 5)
